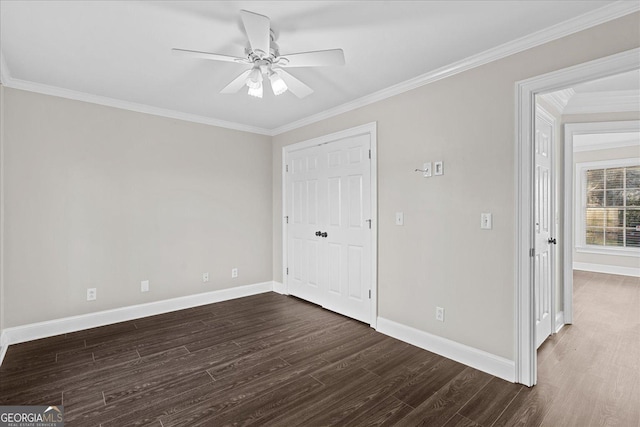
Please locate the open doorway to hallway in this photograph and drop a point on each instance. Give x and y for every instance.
(592, 196)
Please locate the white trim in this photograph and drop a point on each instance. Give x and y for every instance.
(563, 29)
(371, 130)
(569, 244)
(579, 23)
(130, 106)
(607, 269)
(3, 349)
(608, 250)
(606, 146)
(470, 356)
(625, 126)
(603, 102)
(525, 91)
(279, 288)
(559, 322)
(65, 325)
(5, 75)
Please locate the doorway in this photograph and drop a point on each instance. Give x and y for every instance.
(525, 351)
(329, 189)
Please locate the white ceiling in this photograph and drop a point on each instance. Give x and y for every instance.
(121, 50)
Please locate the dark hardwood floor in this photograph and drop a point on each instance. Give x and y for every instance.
(278, 361)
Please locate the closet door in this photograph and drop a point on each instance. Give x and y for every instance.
(306, 187)
(329, 247)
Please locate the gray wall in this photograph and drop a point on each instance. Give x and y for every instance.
(102, 197)
(441, 257)
(2, 300)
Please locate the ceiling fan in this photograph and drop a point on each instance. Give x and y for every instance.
(265, 59)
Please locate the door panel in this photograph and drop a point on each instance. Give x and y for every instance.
(304, 188)
(543, 228)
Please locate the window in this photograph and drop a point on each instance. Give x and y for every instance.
(610, 208)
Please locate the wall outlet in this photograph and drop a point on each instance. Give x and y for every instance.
(205, 277)
(440, 314)
(234, 273)
(92, 294)
(144, 286)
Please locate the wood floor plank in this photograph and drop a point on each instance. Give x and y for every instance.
(486, 406)
(460, 421)
(442, 406)
(425, 385)
(384, 411)
(274, 360)
(529, 407)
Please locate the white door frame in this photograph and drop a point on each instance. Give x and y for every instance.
(525, 351)
(371, 130)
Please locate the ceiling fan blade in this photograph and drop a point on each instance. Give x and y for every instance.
(313, 59)
(258, 29)
(294, 85)
(237, 83)
(207, 55)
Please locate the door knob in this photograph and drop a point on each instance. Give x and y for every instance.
(552, 241)
(324, 234)
(318, 233)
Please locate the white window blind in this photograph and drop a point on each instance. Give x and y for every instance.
(612, 207)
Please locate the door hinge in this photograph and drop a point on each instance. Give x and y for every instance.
(286, 168)
(369, 154)
(532, 252)
(369, 293)
(287, 271)
(369, 221)
(287, 219)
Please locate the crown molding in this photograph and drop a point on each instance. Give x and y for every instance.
(603, 102)
(563, 29)
(579, 23)
(131, 106)
(559, 99)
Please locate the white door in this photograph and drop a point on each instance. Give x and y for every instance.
(306, 211)
(543, 260)
(329, 234)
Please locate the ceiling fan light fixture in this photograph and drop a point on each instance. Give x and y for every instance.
(277, 84)
(254, 79)
(256, 91)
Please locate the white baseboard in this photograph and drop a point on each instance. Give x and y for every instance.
(65, 325)
(478, 359)
(608, 269)
(3, 347)
(559, 321)
(280, 288)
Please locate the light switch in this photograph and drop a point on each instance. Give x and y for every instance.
(486, 221)
(399, 218)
